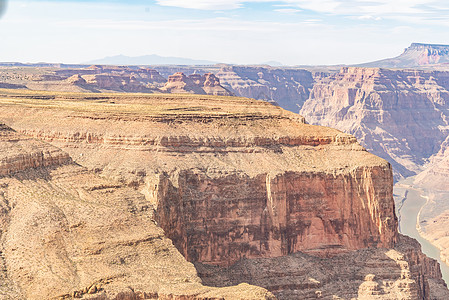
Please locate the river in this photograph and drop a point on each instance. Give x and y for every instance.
(408, 203)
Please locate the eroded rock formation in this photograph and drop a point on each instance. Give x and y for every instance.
(67, 233)
(364, 274)
(235, 180)
(287, 87)
(206, 84)
(400, 115)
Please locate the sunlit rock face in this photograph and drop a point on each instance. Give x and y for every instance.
(224, 181)
(399, 115)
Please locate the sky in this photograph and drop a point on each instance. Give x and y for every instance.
(292, 32)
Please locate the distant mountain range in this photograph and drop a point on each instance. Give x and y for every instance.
(148, 60)
(151, 60)
(417, 55)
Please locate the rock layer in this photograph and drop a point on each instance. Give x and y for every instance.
(363, 274)
(232, 179)
(399, 115)
(206, 84)
(67, 233)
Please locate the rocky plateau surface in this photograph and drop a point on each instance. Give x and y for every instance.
(69, 234)
(242, 188)
(109, 79)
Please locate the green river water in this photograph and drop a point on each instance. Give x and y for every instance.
(408, 213)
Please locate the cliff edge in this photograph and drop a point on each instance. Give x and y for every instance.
(237, 184)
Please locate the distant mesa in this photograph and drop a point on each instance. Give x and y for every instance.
(417, 55)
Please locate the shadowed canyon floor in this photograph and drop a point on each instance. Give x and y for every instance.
(245, 190)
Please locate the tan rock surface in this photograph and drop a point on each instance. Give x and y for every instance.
(67, 233)
(231, 178)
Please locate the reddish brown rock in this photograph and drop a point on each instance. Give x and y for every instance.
(234, 179)
(271, 216)
(206, 84)
(67, 233)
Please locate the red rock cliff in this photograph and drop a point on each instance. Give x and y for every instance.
(249, 179)
(241, 183)
(222, 220)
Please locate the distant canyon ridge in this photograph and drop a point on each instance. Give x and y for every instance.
(206, 196)
(397, 108)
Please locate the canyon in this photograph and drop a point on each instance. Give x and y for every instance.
(400, 115)
(130, 189)
(246, 191)
(70, 234)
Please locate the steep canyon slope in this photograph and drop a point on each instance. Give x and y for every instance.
(67, 233)
(239, 185)
(289, 87)
(400, 115)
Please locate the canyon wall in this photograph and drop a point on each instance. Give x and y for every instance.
(69, 234)
(235, 180)
(266, 216)
(206, 84)
(400, 115)
(287, 87)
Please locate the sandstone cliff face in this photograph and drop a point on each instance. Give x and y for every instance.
(67, 233)
(267, 216)
(234, 179)
(206, 84)
(287, 87)
(398, 115)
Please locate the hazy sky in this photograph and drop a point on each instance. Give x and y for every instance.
(292, 32)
